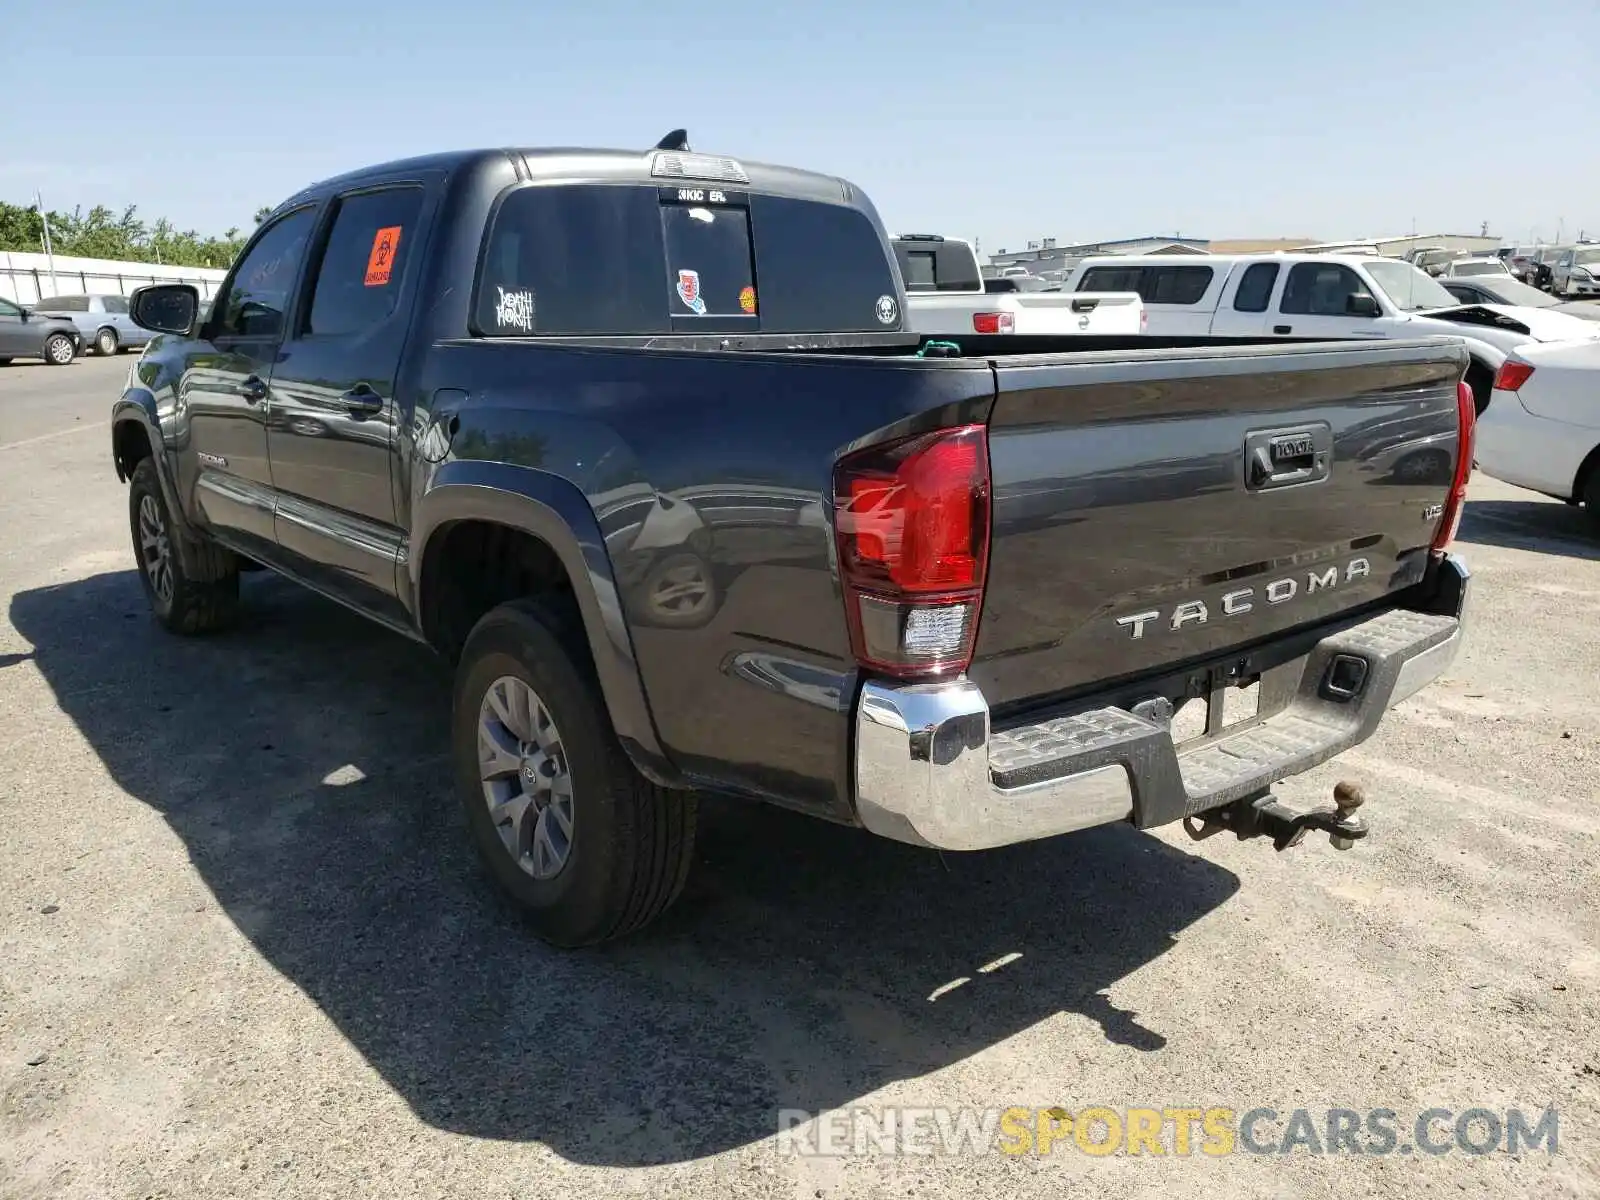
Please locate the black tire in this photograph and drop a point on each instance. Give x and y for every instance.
(1481, 380)
(58, 350)
(1591, 500)
(631, 841)
(201, 593)
(105, 343)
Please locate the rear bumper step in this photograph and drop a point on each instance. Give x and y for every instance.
(930, 771)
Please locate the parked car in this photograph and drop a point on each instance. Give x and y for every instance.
(26, 333)
(946, 296)
(102, 320)
(1520, 262)
(1461, 268)
(1490, 289)
(1543, 267)
(1327, 296)
(1576, 272)
(1433, 260)
(1542, 427)
(956, 593)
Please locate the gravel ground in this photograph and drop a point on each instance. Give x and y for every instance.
(245, 950)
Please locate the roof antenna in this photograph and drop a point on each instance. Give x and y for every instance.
(678, 139)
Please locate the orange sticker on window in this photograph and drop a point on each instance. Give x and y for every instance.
(380, 263)
(747, 299)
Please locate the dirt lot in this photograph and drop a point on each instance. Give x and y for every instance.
(245, 950)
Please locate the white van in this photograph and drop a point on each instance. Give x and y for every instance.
(1321, 296)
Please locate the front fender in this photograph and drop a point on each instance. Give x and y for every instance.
(556, 512)
(138, 406)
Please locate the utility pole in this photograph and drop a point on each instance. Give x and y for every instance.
(49, 251)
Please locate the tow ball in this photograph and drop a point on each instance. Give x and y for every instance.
(1254, 816)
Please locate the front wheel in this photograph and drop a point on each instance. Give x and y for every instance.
(196, 596)
(59, 350)
(105, 343)
(588, 848)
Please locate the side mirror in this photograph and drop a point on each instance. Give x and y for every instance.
(1362, 306)
(165, 307)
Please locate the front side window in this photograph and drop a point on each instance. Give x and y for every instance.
(1322, 290)
(114, 304)
(1255, 287)
(8, 309)
(358, 281)
(258, 294)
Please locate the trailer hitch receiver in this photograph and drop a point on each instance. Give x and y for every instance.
(1262, 814)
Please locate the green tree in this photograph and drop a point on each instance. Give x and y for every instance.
(102, 233)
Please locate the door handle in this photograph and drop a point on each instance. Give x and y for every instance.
(253, 389)
(361, 402)
(1282, 328)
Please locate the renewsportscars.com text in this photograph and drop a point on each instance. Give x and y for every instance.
(1215, 1132)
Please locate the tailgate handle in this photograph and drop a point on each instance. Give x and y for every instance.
(1085, 305)
(1284, 457)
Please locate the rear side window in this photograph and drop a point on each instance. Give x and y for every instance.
(358, 281)
(1255, 287)
(626, 259)
(66, 303)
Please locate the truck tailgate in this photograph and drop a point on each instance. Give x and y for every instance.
(1170, 506)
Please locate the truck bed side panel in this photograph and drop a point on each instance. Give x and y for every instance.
(1126, 535)
(710, 475)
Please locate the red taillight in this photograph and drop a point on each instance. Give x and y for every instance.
(995, 322)
(1466, 423)
(912, 519)
(1512, 375)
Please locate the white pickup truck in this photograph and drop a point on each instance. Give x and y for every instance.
(1322, 296)
(947, 296)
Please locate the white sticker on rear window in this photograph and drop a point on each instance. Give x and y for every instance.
(888, 310)
(514, 310)
(689, 292)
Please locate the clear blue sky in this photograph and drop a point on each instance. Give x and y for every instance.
(1006, 120)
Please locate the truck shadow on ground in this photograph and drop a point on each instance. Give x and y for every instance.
(301, 759)
(1545, 526)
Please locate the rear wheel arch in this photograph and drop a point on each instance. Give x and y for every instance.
(513, 528)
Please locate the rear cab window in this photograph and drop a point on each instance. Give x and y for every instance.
(931, 264)
(634, 259)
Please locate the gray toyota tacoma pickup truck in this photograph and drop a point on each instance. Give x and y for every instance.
(642, 444)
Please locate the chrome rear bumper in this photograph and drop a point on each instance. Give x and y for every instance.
(927, 761)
